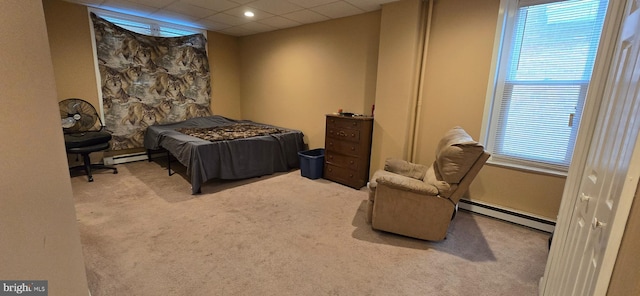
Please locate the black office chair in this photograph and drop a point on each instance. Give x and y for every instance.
(83, 133)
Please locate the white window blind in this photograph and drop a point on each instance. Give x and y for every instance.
(543, 72)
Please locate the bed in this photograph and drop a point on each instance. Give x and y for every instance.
(216, 147)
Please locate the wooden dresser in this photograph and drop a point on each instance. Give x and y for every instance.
(348, 149)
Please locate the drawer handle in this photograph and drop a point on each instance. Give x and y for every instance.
(353, 148)
(353, 135)
(342, 134)
(330, 156)
(330, 169)
(330, 143)
(350, 175)
(351, 161)
(354, 123)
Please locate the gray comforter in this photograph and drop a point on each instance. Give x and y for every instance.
(226, 159)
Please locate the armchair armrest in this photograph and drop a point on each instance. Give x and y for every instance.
(405, 168)
(403, 183)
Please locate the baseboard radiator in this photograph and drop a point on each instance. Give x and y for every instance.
(131, 157)
(508, 215)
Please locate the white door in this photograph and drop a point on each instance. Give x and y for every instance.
(607, 179)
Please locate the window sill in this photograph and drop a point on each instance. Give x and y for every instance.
(525, 168)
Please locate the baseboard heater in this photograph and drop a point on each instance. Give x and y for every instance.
(131, 157)
(512, 216)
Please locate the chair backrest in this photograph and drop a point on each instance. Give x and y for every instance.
(464, 184)
(458, 161)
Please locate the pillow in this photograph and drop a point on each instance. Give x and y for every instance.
(455, 155)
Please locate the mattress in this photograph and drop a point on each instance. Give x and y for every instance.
(239, 158)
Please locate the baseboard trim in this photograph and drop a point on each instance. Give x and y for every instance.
(509, 215)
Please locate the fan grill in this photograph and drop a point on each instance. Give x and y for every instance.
(78, 115)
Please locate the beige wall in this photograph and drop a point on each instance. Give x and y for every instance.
(68, 28)
(70, 43)
(293, 77)
(224, 62)
(397, 85)
(626, 272)
(39, 238)
(455, 83)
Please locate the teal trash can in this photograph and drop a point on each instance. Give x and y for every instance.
(312, 163)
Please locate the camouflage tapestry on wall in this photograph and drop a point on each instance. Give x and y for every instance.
(149, 80)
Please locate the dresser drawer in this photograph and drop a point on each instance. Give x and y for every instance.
(344, 147)
(344, 134)
(343, 175)
(343, 122)
(341, 160)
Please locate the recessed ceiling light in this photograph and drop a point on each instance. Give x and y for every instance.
(248, 14)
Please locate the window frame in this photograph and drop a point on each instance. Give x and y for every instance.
(503, 41)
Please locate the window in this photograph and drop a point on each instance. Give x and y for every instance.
(544, 62)
(146, 26)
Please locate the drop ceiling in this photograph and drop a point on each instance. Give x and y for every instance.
(227, 16)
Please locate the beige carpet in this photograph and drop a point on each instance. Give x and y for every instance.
(144, 234)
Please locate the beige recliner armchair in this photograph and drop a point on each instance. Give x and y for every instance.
(418, 201)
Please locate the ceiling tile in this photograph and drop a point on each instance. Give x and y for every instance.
(173, 17)
(366, 5)
(227, 19)
(217, 5)
(276, 7)
(239, 12)
(213, 25)
(155, 3)
(128, 7)
(337, 9)
(257, 27)
(227, 16)
(279, 22)
(306, 16)
(243, 1)
(237, 31)
(190, 10)
(311, 3)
